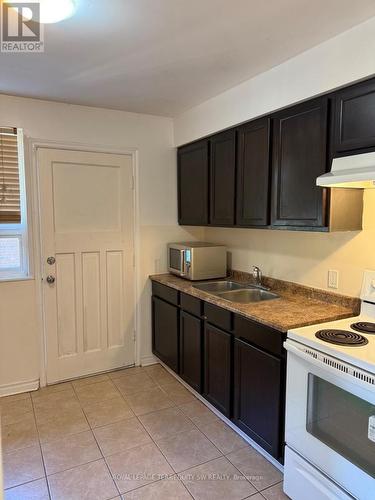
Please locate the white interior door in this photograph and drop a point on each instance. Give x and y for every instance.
(87, 214)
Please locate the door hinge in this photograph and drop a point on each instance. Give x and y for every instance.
(133, 259)
(133, 182)
(134, 336)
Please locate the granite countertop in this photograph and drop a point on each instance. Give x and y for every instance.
(297, 306)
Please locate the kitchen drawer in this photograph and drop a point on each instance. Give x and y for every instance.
(166, 293)
(218, 316)
(259, 335)
(191, 304)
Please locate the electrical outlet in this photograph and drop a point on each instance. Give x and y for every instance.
(333, 279)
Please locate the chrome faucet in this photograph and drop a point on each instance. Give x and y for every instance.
(257, 275)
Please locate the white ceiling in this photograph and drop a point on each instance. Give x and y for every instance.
(165, 56)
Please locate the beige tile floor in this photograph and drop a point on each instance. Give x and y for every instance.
(132, 434)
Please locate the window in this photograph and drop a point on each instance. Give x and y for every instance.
(13, 213)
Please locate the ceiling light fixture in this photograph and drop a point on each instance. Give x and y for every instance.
(51, 11)
(54, 11)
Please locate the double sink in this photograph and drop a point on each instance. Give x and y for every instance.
(236, 292)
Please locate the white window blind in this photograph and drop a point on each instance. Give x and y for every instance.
(10, 200)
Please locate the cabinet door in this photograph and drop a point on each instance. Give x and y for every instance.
(223, 176)
(191, 350)
(217, 373)
(354, 111)
(253, 173)
(193, 184)
(299, 157)
(257, 395)
(165, 323)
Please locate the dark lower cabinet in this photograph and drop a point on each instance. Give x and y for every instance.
(165, 332)
(237, 364)
(191, 340)
(257, 407)
(217, 373)
(299, 157)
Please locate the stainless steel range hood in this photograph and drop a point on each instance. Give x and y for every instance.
(356, 171)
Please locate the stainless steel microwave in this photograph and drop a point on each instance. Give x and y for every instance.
(197, 260)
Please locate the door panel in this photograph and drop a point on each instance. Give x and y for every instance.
(355, 118)
(299, 157)
(193, 184)
(217, 380)
(223, 178)
(191, 350)
(165, 332)
(115, 298)
(87, 225)
(257, 395)
(66, 304)
(253, 173)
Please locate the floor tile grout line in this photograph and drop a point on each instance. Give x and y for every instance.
(62, 437)
(245, 476)
(198, 465)
(176, 405)
(24, 484)
(196, 427)
(74, 467)
(269, 486)
(161, 451)
(224, 455)
(40, 449)
(100, 450)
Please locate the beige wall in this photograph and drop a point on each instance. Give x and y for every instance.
(20, 328)
(305, 257)
(341, 60)
(296, 256)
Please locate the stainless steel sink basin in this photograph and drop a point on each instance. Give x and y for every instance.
(236, 292)
(248, 295)
(215, 287)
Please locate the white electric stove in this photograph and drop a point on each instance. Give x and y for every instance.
(330, 407)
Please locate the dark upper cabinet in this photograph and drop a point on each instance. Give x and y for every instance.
(299, 157)
(222, 178)
(263, 173)
(191, 339)
(258, 401)
(217, 362)
(165, 332)
(193, 175)
(354, 118)
(253, 173)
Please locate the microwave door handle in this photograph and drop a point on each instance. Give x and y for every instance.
(183, 263)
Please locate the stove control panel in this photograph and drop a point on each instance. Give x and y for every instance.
(368, 287)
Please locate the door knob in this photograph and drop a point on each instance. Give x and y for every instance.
(50, 279)
(51, 261)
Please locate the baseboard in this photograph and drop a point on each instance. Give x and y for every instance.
(18, 388)
(149, 360)
(236, 429)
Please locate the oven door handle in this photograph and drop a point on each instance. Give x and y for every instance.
(333, 366)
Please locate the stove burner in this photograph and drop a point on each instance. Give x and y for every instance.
(341, 337)
(364, 327)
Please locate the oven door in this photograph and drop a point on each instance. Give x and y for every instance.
(330, 419)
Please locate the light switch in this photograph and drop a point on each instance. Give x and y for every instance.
(333, 279)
